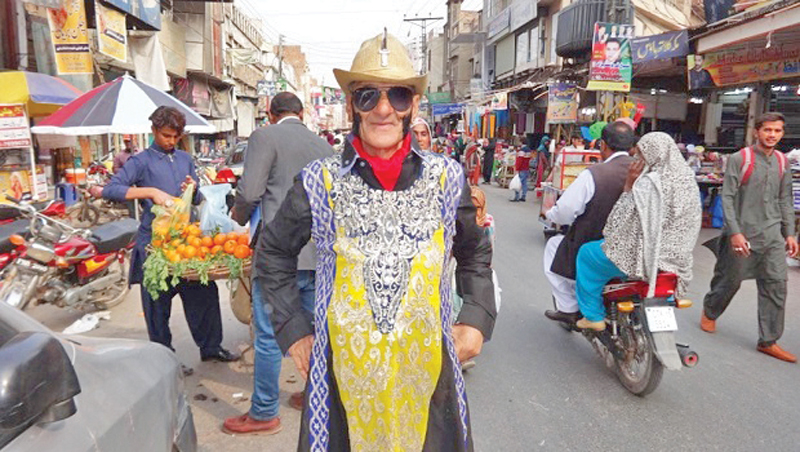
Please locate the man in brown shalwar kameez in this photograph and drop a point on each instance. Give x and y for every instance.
(759, 232)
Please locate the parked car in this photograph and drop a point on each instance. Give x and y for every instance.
(232, 168)
(81, 394)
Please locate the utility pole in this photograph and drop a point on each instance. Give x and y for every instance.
(280, 57)
(424, 37)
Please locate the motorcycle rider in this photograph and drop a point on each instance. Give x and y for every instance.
(584, 207)
(157, 175)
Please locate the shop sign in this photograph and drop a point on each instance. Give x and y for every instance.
(611, 68)
(15, 131)
(660, 47)
(521, 12)
(562, 103)
(111, 33)
(717, 10)
(439, 98)
(447, 109)
(500, 101)
(148, 11)
(736, 67)
(498, 23)
(21, 184)
(70, 38)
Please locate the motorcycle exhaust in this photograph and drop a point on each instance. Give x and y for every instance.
(79, 294)
(689, 357)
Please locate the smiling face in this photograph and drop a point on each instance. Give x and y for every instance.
(381, 127)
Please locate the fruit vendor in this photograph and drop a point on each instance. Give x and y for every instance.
(159, 175)
(382, 353)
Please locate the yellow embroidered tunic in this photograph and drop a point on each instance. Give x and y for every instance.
(384, 316)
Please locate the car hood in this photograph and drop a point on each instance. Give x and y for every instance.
(131, 400)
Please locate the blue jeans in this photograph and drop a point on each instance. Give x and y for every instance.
(268, 356)
(523, 177)
(594, 270)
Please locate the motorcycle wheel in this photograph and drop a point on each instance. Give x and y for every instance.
(116, 294)
(641, 371)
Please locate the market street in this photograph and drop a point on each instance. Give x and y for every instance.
(537, 387)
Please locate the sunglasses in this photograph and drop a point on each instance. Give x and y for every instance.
(366, 99)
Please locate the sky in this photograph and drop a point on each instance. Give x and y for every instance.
(331, 31)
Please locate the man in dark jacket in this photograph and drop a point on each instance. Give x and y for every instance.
(275, 155)
(585, 206)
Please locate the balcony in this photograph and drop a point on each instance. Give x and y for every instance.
(576, 27)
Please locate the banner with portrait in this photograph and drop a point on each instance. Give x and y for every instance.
(70, 38)
(611, 68)
(111, 34)
(562, 103)
(736, 67)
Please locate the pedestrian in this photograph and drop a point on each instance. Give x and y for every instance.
(275, 155)
(157, 176)
(382, 355)
(653, 227)
(422, 132)
(522, 165)
(489, 148)
(584, 207)
(758, 233)
(542, 160)
(123, 155)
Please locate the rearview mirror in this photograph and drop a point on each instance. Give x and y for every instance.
(39, 381)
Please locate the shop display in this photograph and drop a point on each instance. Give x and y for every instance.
(180, 249)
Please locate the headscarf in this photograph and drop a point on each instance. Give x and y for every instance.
(543, 144)
(418, 120)
(655, 225)
(479, 199)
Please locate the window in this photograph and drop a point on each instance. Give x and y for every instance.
(533, 46)
(523, 55)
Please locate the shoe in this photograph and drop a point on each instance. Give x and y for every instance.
(707, 325)
(521, 199)
(597, 326)
(222, 356)
(514, 200)
(776, 351)
(296, 400)
(559, 316)
(244, 425)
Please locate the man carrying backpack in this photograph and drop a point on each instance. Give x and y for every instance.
(758, 234)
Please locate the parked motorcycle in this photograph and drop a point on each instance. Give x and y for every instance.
(66, 266)
(639, 339)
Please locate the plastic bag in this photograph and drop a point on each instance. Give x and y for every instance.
(214, 213)
(515, 184)
(169, 218)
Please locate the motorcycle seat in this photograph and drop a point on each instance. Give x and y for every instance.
(114, 236)
(625, 289)
(9, 229)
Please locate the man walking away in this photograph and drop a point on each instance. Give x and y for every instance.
(523, 167)
(275, 155)
(758, 233)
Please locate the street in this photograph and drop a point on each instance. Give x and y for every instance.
(537, 387)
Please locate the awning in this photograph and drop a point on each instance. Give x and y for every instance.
(781, 25)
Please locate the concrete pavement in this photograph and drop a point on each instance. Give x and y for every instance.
(537, 387)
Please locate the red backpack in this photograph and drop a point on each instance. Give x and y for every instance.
(749, 163)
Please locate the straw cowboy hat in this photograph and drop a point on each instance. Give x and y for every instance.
(382, 59)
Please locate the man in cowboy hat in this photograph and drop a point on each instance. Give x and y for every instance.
(382, 353)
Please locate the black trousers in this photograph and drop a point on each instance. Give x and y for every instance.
(201, 308)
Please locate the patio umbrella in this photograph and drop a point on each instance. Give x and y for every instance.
(119, 106)
(41, 94)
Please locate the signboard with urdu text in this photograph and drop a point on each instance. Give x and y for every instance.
(148, 11)
(611, 68)
(660, 47)
(70, 38)
(736, 67)
(111, 33)
(562, 103)
(15, 131)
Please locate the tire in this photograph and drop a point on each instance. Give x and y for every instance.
(119, 291)
(641, 373)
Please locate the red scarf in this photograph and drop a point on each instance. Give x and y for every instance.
(387, 171)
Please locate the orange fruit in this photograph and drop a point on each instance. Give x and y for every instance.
(194, 230)
(203, 252)
(207, 241)
(157, 243)
(244, 240)
(189, 252)
(230, 246)
(232, 236)
(181, 248)
(175, 243)
(220, 239)
(173, 256)
(194, 241)
(242, 252)
(216, 249)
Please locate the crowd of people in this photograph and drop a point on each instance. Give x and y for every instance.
(372, 268)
